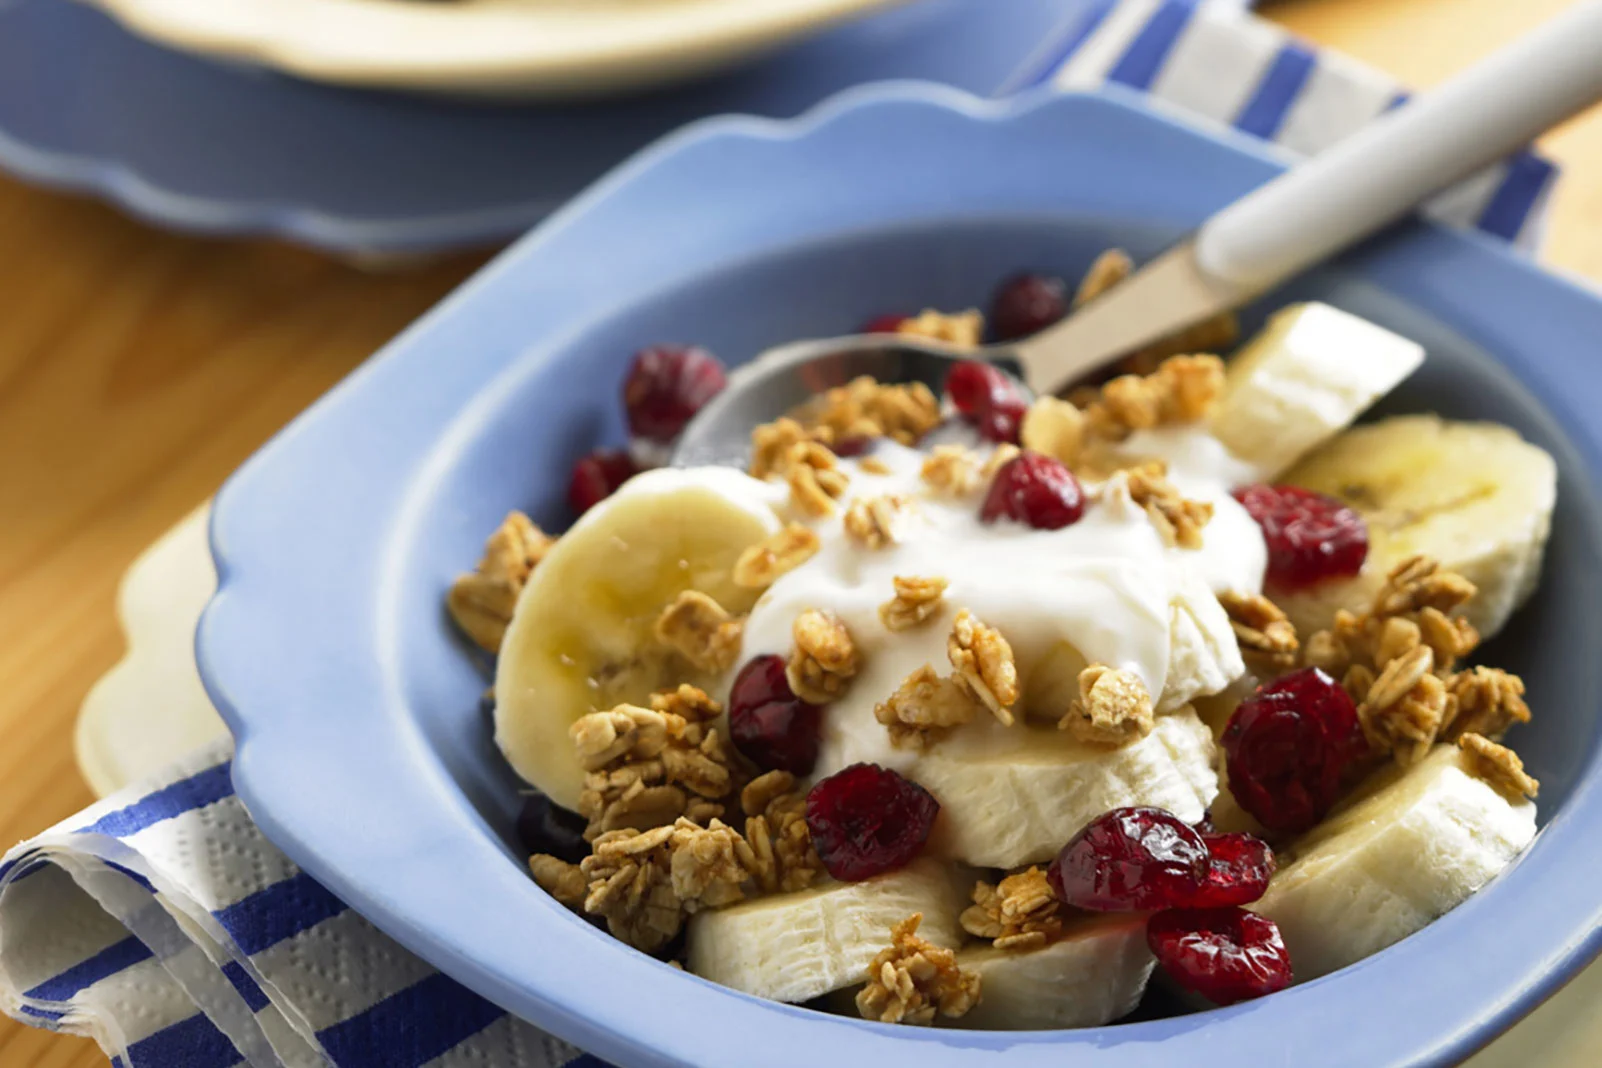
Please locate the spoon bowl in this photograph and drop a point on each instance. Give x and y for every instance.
(783, 378)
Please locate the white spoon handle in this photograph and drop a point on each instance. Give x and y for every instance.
(1376, 175)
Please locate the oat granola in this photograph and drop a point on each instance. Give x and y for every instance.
(951, 470)
(1499, 766)
(1114, 708)
(701, 631)
(873, 521)
(1266, 637)
(964, 329)
(482, 601)
(645, 768)
(912, 979)
(762, 564)
(917, 600)
(925, 708)
(782, 857)
(825, 657)
(1178, 521)
(1019, 913)
(983, 661)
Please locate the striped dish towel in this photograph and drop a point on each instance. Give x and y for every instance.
(1213, 61)
(162, 924)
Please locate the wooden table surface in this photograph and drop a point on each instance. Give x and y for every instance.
(138, 368)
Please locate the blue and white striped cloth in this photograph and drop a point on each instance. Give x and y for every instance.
(165, 926)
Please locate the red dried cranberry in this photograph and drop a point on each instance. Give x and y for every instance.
(544, 827)
(1027, 304)
(1225, 955)
(1130, 860)
(1035, 490)
(1288, 747)
(989, 399)
(666, 386)
(1238, 871)
(883, 324)
(853, 445)
(866, 820)
(597, 476)
(1310, 537)
(768, 723)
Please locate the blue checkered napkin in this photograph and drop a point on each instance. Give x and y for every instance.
(1213, 60)
(163, 924)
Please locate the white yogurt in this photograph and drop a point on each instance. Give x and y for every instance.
(1103, 586)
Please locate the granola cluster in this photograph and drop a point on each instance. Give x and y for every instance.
(782, 856)
(701, 631)
(649, 868)
(645, 768)
(983, 661)
(1210, 335)
(925, 708)
(1018, 913)
(1398, 662)
(863, 408)
(825, 657)
(1084, 436)
(917, 600)
(815, 479)
(761, 565)
(1179, 521)
(963, 329)
(951, 471)
(1266, 636)
(873, 522)
(913, 979)
(481, 602)
(1114, 708)
(1497, 765)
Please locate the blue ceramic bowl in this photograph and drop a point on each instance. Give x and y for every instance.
(361, 752)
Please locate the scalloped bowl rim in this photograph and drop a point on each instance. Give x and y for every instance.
(1546, 946)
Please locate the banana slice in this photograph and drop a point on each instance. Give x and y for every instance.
(795, 947)
(1410, 848)
(1310, 372)
(1475, 496)
(1021, 799)
(1094, 974)
(581, 640)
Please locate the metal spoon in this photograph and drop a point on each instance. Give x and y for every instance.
(1283, 227)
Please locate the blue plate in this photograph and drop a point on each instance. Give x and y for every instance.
(361, 752)
(197, 145)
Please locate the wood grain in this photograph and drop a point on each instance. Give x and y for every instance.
(138, 368)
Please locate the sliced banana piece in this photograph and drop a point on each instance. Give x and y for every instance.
(1474, 496)
(1018, 801)
(1310, 372)
(795, 947)
(581, 638)
(1094, 974)
(1410, 847)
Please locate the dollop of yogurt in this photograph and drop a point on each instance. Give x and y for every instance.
(1101, 590)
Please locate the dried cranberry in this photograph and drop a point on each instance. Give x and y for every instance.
(1036, 491)
(1310, 537)
(597, 476)
(1288, 747)
(666, 386)
(853, 445)
(989, 399)
(768, 723)
(1130, 860)
(544, 827)
(1238, 870)
(1225, 955)
(1027, 304)
(883, 324)
(866, 820)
